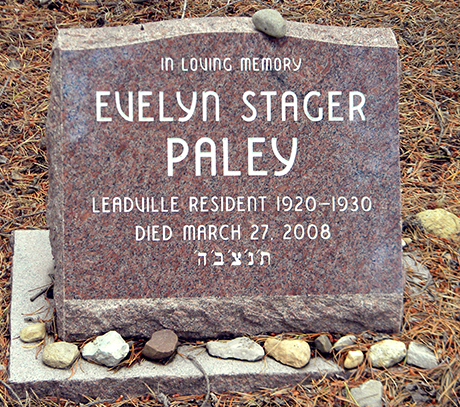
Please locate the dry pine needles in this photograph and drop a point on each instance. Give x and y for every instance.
(428, 35)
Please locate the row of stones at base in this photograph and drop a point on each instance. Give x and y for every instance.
(110, 349)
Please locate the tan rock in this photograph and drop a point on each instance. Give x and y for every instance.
(291, 352)
(440, 222)
(33, 333)
(407, 241)
(60, 355)
(387, 353)
(354, 359)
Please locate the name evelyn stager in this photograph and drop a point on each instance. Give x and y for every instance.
(286, 101)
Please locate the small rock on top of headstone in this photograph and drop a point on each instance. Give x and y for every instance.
(161, 345)
(421, 356)
(241, 348)
(369, 394)
(343, 342)
(60, 355)
(387, 353)
(291, 352)
(270, 22)
(440, 222)
(33, 333)
(109, 349)
(323, 344)
(354, 359)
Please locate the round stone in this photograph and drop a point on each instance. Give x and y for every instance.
(440, 222)
(354, 359)
(387, 353)
(33, 333)
(270, 22)
(161, 345)
(291, 352)
(60, 355)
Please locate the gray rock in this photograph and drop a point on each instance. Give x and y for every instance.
(354, 359)
(421, 356)
(109, 349)
(239, 348)
(270, 22)
(13, 64)
(291, 352)
(60, 355)
(343, 342)
(323, 344)
(369, 394)
(33, 332)
(417, 275)
(387, 353)
(161, 345)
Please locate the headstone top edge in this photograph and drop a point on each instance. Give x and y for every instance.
(76, 39)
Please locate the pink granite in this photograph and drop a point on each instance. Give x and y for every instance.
(333, 264)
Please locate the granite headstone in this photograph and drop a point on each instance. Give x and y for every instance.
(212, 180)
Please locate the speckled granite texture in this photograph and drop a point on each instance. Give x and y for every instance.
(310, 246)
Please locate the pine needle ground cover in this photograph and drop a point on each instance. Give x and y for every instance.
(427, 32)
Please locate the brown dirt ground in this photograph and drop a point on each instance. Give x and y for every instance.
(428, 35)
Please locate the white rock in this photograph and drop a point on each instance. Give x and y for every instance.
(109, 349)
(387, 353)
(406, 241)
(343, 342)
(60, 355)
(440, 222)
(354, 359)
(239, 348)
(270, 22)
(33, 333)
(421, 356)
(291, 352)
(369, 394)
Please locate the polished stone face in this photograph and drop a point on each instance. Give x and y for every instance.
(212, 180)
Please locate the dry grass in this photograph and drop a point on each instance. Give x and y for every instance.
(428, 35)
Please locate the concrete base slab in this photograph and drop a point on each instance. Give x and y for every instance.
(32, 264)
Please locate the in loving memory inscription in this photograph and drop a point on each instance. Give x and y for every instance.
(209, 179)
